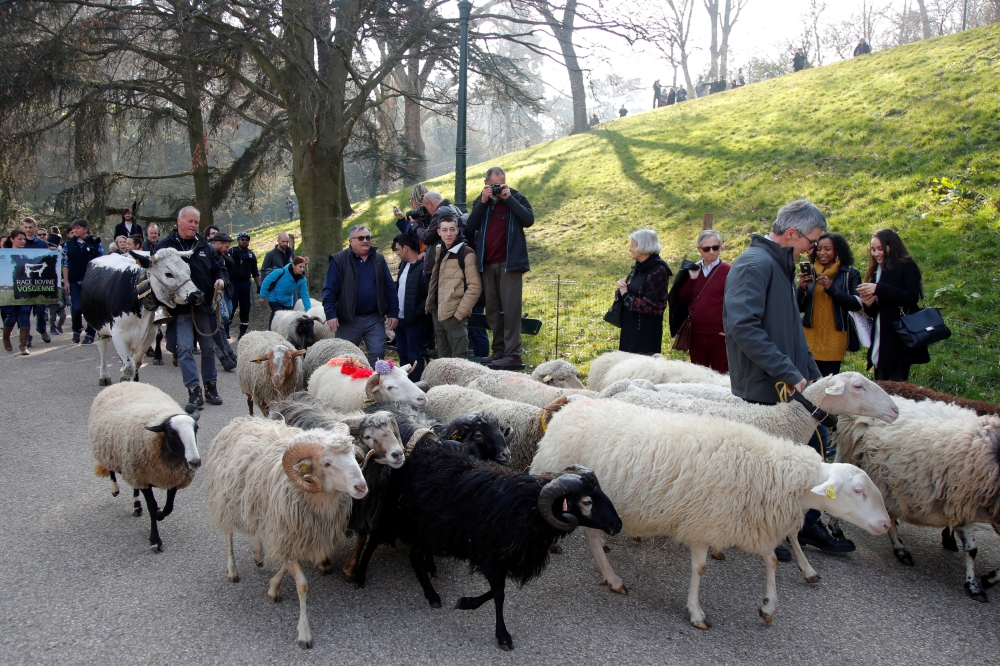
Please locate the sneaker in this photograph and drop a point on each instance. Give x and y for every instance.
(60, 329)
(88, 339)
(195, 401)
(54, 331)
(212, 394)
(817, 536)
(76, 338)
(783, 554)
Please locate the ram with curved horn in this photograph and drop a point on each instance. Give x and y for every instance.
(443, 502)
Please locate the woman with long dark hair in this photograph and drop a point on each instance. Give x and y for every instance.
(16, 315)
(644, 295)
(827, 295)
(892, 288)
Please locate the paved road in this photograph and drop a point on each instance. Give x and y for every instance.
(81, 586)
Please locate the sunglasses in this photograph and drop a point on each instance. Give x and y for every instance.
(363, 239)
(710, 248)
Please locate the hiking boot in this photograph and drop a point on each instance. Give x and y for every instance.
(212, 394)
(783, 554)
(76, 338)
(817, 536)
(24, 343)
(45, 336)
(243, 330)
(7, 330)
(88, 339)
(228, 364)
(195, 401)
(507, 362)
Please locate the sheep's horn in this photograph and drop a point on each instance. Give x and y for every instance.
(299, 462)
(371, 454)
(372, 385)
(422, 385)
(418, 435)
(567, 484)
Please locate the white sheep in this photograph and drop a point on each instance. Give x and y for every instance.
(347, 385)
(321, 353)
(522, 388)
(452, 371)
(558, 373)
(288, 489)
(704, 481)
(932, 471)
(528, 422)
(296, 327)
(140, 432)
(608, 368)
(702, 391)
(267, 368)
(848, 393)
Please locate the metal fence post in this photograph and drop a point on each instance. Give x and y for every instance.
(558, 294)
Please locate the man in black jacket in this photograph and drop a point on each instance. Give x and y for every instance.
(128, 226)
(765, 341)
(279, 257)
(78, 252)
(497, 222)
(244, 269)
(411, 288)
(208, 273)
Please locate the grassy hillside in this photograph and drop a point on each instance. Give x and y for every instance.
(864, 139)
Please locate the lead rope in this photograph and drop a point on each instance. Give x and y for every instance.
(218, 316)
(784, 393)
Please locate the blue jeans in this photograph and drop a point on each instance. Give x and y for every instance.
(410, 345)
(185, 348)
(17, 315)
(75, 310)
(478, 340)
(371, 329)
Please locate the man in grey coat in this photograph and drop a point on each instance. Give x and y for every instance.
(765, 341)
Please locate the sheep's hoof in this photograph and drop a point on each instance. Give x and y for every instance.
(765, 616)
(607, 548)
(989, 580)
(259, 564)
(903, 556)
(637, 539)
(114, 493)
(157, 361)
(325, 567)
(812, 579)
(305, 644)
(700, 624)
(948, 540)
(619, 590)
(977, 593)
(156, 547)
(235, 578)
(276, 599)
(137, 511)
(348, 573)
(555, 548)
(104, 381)
(717, 554)
(505, 643)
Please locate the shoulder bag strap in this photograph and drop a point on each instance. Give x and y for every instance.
(704, 287)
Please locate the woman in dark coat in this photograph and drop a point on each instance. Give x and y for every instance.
(827, 295)
(892, 287)
(644, 295)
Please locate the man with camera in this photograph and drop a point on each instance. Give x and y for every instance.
(497, 223)
(78, 251)
(765, 341)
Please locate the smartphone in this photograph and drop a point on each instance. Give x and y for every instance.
(396, 211)
(805, 268)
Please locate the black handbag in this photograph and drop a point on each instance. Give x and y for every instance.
(614, 314)
(922, 328)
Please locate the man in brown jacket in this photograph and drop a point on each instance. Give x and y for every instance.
(452, 291)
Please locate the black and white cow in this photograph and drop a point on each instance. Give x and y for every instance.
(110, 301)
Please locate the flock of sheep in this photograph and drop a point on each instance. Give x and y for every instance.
(494, 467)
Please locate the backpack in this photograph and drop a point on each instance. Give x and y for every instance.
(461, 264)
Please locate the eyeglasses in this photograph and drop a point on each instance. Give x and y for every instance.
(363, 239)
(710, 248)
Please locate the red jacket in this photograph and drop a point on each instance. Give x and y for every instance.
(706, 316)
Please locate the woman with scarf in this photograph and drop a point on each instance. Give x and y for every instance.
(644, 296)
(827, 295)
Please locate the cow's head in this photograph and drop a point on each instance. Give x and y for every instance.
(170, 276)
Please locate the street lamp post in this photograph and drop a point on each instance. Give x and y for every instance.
(464, 10)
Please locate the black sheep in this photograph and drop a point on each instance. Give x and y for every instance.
(444, 502)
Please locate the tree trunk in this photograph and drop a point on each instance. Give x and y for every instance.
(415, 139)
(712, 7)
(562, 30)
(925, 21)
(199, 159)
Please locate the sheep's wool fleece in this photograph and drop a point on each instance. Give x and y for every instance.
(522, 388)
(120, 442)
(614, 366)
(324, 350)
(248, 491)
(452, 371)
(255, 378)
(935, 472)
(701, 480)
(447, 402)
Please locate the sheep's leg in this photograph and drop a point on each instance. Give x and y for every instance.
(716, 553)
(302, 587)
(158, 350)
(168, 508)
(771, 589)
(472, 603)
(362, 569)
(898, 549)
(231, 573)
(154, 533)
(136, 504)
(699, 556)
(800, 559)
(429, 566)
(417, 562)
(250, 405)
(948, 540)
(504, 641)
(114, 484)
(965, 535)
(274, 587)
(611, 579)
(352, 562)
(258, 552)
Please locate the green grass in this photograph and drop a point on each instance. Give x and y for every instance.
(863, 139)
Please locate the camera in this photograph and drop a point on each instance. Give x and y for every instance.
(496, 189)
(417, 213)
